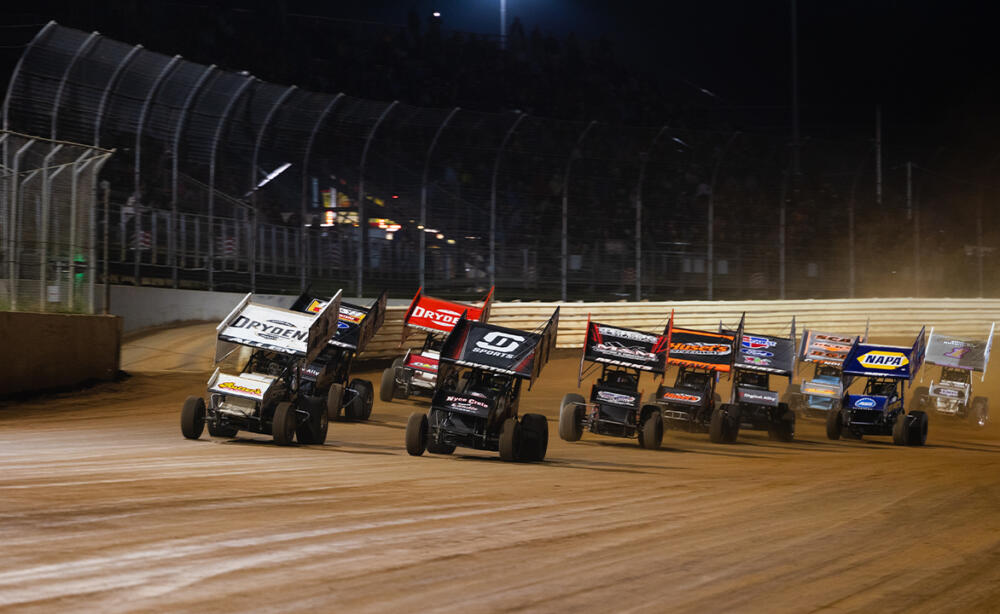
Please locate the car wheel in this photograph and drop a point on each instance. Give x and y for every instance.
(920, 396)
(388, 385)
(510, 440)
(570, 418)
(334, 400)
(917, 435)
(834, 425)
(193, 417)
(314, 430)
(652, 429)
(535, 437)
(980, 411)
(900, 430)
(284, 423)
(784, 428)
(717, 427)
(416, 434)
(360, 407)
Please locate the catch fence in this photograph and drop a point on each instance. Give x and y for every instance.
(223, 181)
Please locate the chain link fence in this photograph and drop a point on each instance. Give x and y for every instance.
(384, 194)
(48, 245)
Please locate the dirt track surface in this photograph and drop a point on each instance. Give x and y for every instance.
(104, 507)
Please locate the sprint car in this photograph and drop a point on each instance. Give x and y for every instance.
(951, 395)
(328, 377)
(822, 393)
(880, 410)
(615, 405)
(269, 394)
(752, 404)
(477, 395)
(415, 373)
(700, 356)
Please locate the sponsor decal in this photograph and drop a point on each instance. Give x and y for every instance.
(947, 392)
(753, 343)
(957, 352)
(627, 334)
(352, 316)
(761, 353)
(838, 356)
(240, 388)
(699, 348)
(838, 349)
(615, 397)
(884, 360)
(819, 391)
(270, 329)
(756, 396)
(866, 403)
(316, 306)
(753, 360)
(617, 349)
(341, 325)
(678, 396)
(496, 343)
(834, 339)
(441, 316)
(466, 403)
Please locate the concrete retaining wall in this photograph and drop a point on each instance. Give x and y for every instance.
(41, 351)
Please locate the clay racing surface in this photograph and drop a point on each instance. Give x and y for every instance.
(105, 507)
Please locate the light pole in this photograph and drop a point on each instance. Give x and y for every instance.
(503, 24)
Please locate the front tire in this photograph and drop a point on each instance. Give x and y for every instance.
(510, 440)
(718, 428)
(900, 430)
(652, 430)
(284, 424)
(314, 430)
(917, 435)
(834, 425)
(980, 412)
(334, 400)
(387, 388)
(535, 437)
(193, 417)
(570, 417)
(360, 407)
(416, 434)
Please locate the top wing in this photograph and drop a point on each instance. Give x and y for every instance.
(958, 353)
(766, 353)
(435, 315)
(696, 348)
(495, 348)
(276, 329)
(356, 324)
(873, 360)
(824, 348)
(627, 347)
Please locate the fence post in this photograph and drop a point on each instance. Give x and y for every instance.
(493, 197)
(44, 243)
(175, 169)
(565, 205)
(304, 251)
(253, 182)
(73, 198)
(83, 48)
(14, 75)
(643, 160)
(362, 222)
(211, 175)
(423, 193)
(112, 82)
(15, 222)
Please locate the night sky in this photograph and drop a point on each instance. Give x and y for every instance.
(931, 65)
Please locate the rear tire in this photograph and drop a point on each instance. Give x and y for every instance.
(510, 440)
(652, 430)
(534, 437)
(570, 417)
(900, 430)
(416, 434)
(193, 417)
(834, 425)
(387, 388)
(284, 424)
(917, 428)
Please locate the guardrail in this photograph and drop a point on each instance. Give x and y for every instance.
(893, 317)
